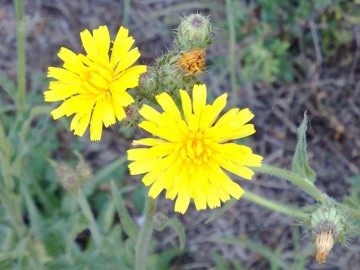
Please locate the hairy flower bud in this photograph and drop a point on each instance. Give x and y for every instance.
(160, 220)
(148, 84)
(71, 182)
(193, 32)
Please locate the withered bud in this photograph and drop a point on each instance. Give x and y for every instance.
(324, 243)
(193, 62)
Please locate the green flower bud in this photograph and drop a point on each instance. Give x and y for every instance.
(325, 218)
(83, 169)
(132, 119)
(71, 182)
(148, 85)
(194, 32)
(160, 221)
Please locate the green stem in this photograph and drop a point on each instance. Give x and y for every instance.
(143, 241)
(21, 57)
(282, 208)
(5, 158)
(294, 178)
(126, 13)
(232, 47)
(86, 210)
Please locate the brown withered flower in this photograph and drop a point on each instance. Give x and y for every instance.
(193, 62)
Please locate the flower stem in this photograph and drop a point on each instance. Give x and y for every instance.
(86, 210)
(144, 237)
(232, 48)
(282, 208)
(294, 178)
(21, 57)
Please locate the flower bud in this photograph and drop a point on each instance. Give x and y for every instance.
(160, 221)
(148, 84)
(71, 182)
(132, 119)
(193, 32)
(84, 171)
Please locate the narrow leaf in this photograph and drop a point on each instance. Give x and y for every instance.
(300, 161)
(125, 219)
(8, 86)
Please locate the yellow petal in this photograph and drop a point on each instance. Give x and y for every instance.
(199, 98)
(118, 108)
(102, 40)
(96, 124)
(130, 58)
(186, 105)
(168, 105)
(80, 123)
(182, 203)
(149, 113)
(122, 45)
(64, 75)
(156, 187)
(88, 42)
(148, 142)
(139, 167)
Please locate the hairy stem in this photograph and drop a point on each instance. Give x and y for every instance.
(281, 208)
(143, 241)
(294, 178)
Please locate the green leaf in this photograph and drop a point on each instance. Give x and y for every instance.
(220, 262)
(300, 161)
(273, 256)
(125, 218)
(8, 86)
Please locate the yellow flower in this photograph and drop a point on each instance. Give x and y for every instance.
(93, 86)
(188, 158)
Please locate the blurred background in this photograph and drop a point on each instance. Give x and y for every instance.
(279, 58)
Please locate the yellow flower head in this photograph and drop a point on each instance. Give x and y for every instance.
(188, 158)
(93, 86)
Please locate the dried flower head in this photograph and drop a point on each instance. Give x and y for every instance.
(324, 243)
(193, 62)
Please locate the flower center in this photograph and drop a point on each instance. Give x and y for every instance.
(98, 79)
(195, 148)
